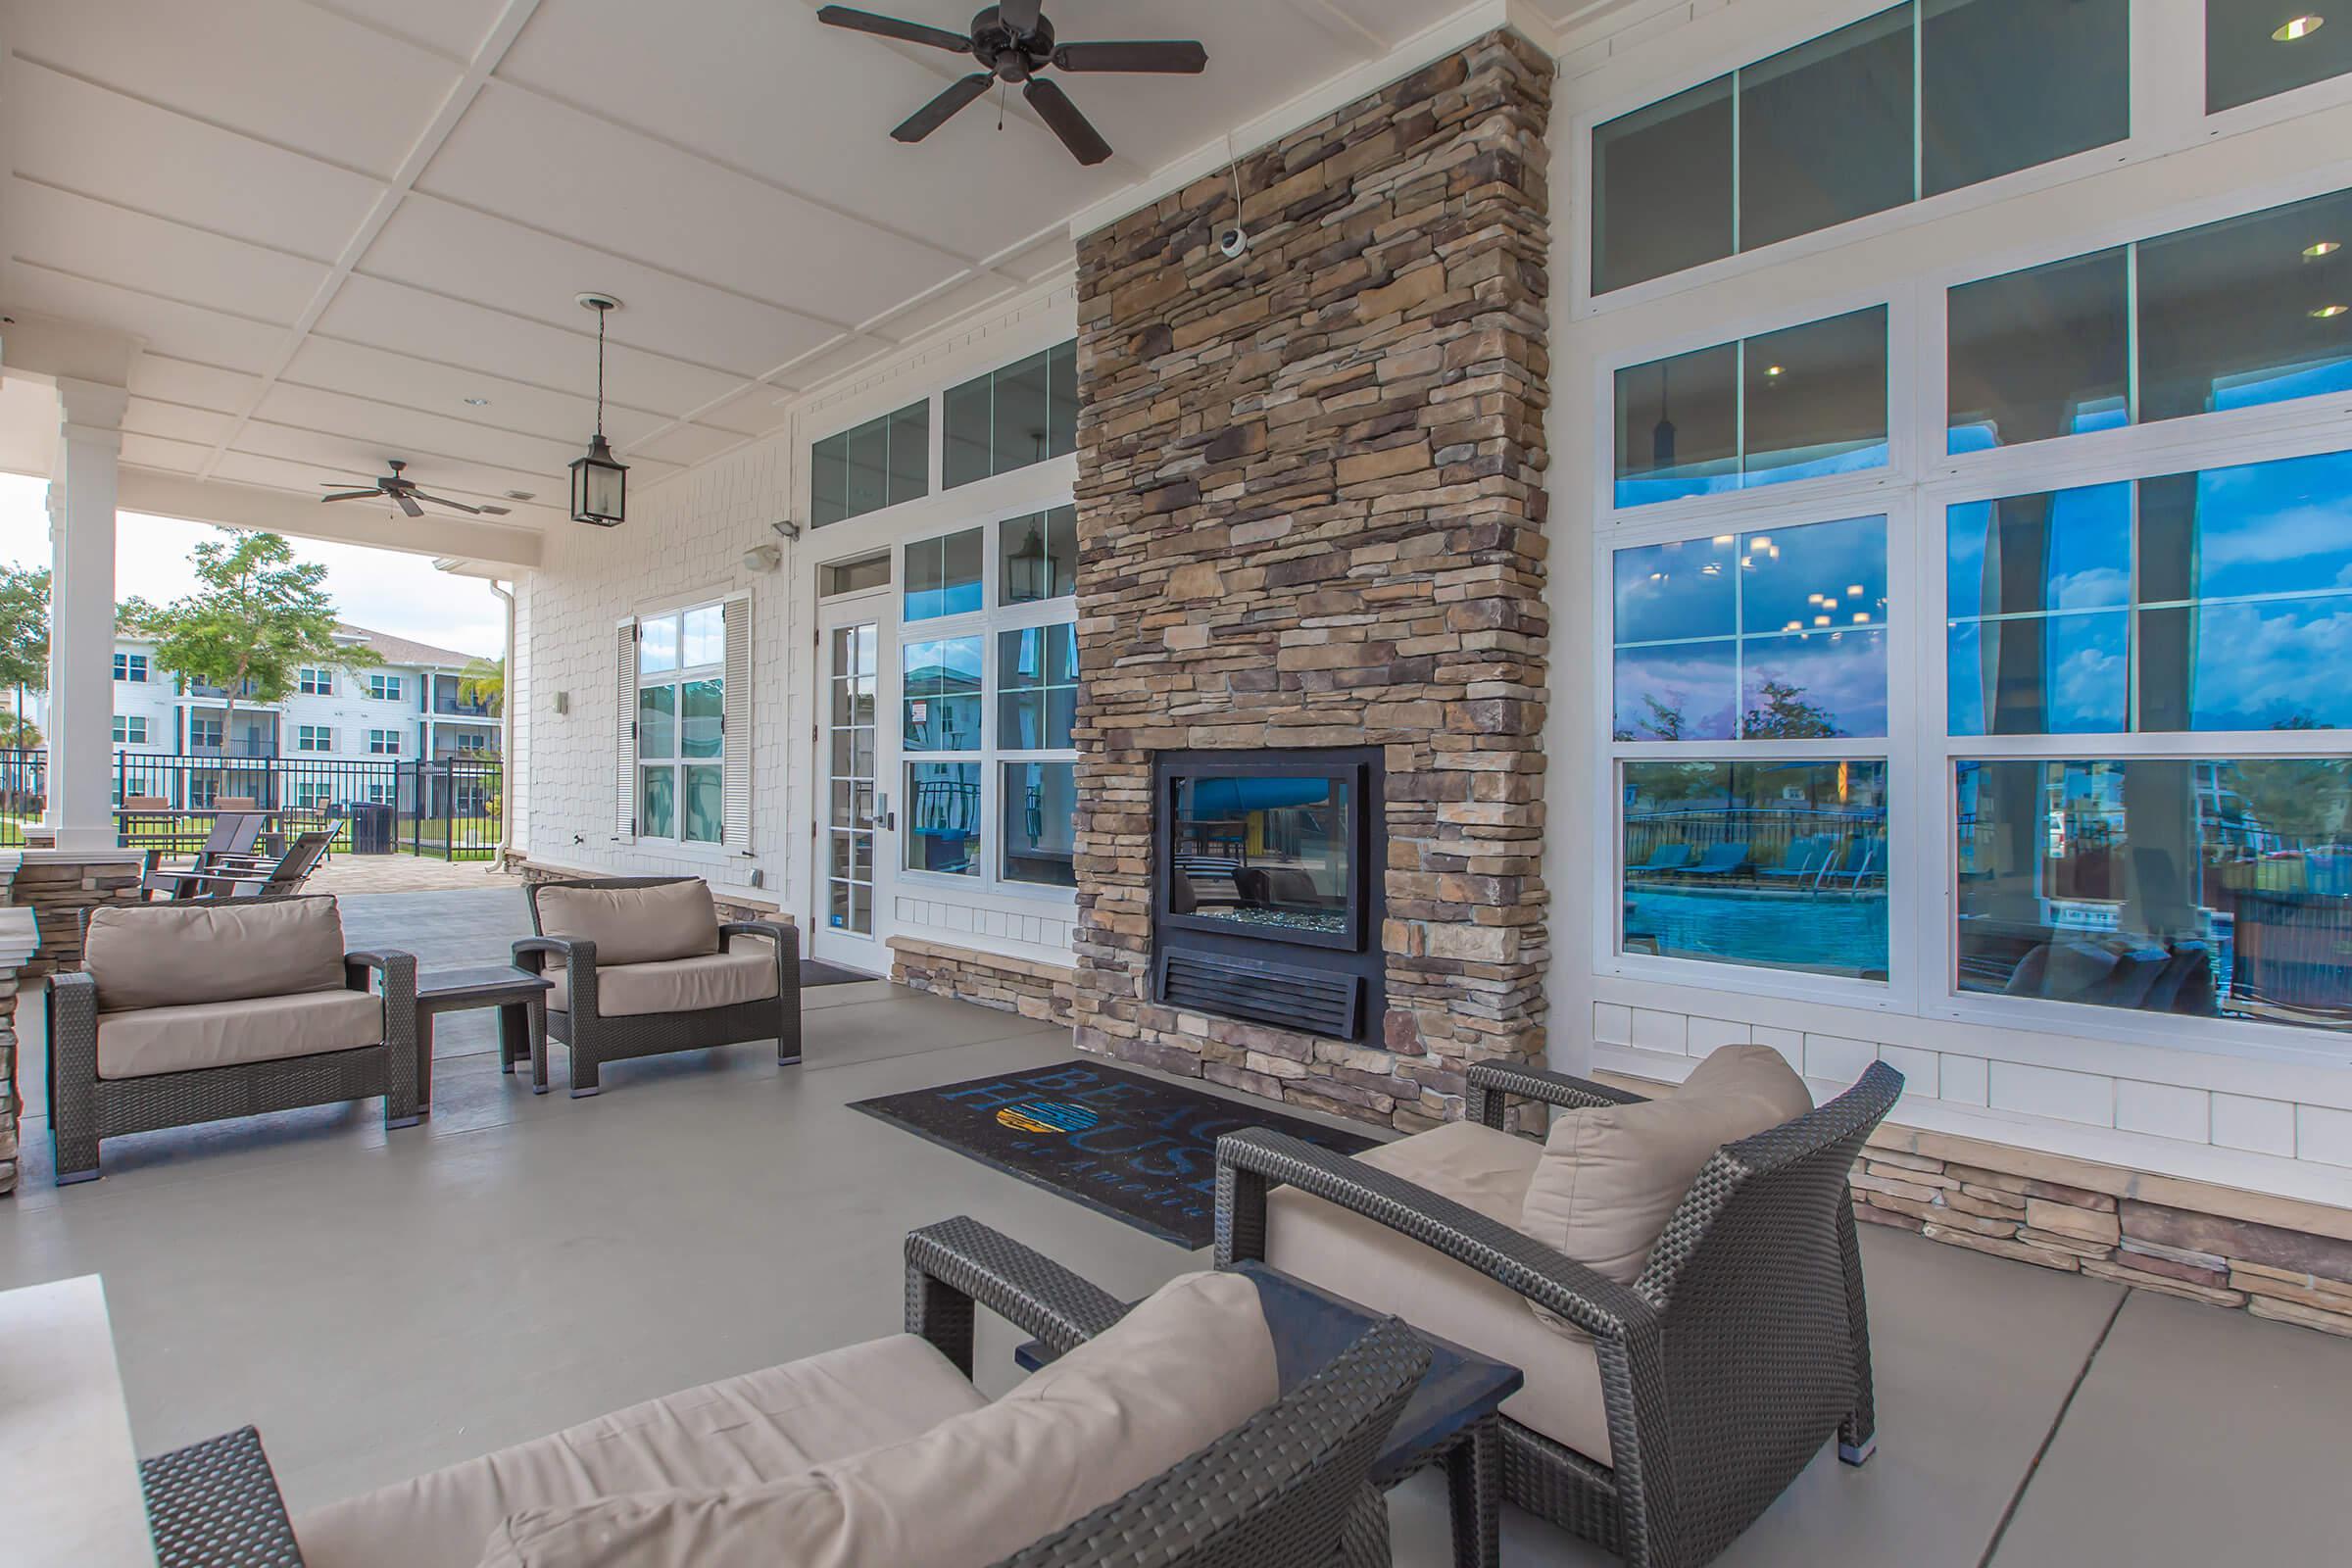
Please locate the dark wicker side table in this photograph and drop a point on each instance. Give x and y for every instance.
(214, 1505)
(1452, 1418)
(520, 998)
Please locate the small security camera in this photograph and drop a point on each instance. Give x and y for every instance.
(1233, 239)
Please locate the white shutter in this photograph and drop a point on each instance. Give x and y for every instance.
(735, 830)
(624, 734)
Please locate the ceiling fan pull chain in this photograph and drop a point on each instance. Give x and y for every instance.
(1003, 88)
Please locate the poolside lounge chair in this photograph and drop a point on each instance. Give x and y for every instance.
(1865, 858)
(1805, 856)
(264, 877)
(227, 849)
(1721, 860)
(1665, 858)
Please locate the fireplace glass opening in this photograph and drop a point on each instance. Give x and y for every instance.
(1268, 855)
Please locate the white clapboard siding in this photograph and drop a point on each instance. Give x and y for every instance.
(735, 831)
(624, 733)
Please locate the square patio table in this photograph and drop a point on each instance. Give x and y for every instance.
(520, 998)
(1452, 1418)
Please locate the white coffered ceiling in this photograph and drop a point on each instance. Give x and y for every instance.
(332, 222)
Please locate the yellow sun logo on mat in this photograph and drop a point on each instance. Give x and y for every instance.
(1046, 1116)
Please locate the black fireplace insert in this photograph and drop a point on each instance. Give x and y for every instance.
(1265, 889)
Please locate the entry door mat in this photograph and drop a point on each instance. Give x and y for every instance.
(1134, 1148)
(817, 972)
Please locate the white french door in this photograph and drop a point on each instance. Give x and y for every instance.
(856, 837)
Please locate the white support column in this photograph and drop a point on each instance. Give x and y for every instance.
(82, 613)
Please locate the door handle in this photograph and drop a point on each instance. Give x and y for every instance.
(886, 819)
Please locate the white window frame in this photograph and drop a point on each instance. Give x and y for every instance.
(130, 729)
(679, 678)
(207, 722)
(131, 668)
(313, 737)
(383, 743)
(316, 682)
(382, 688)
(990, 755)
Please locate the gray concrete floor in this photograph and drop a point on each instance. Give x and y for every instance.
(380, 1305)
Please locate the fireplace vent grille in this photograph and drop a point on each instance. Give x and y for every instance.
(1316, 1000)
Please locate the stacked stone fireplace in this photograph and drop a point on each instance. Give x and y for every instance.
(1310, 518)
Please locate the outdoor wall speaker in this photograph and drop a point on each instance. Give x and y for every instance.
(763, 557)
(563, 703)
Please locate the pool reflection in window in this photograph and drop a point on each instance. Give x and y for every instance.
(1781, 866)
(2199, 887)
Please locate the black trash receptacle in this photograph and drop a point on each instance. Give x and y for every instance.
(371, 830)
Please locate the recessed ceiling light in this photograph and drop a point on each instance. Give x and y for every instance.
(2329, 312)
(477, 403)
(2300, 28)
(2326, 247)
(1772, 370)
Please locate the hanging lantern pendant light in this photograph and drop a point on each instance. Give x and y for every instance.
(599, 482)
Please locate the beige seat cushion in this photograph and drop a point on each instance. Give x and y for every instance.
(675, 985)
(177, 954)
(1181, 1370)
(763, 1426)
(634, 925)
(1611, 1176)
(221, 1034)
(1483, 1170)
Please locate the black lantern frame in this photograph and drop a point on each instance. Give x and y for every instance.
(600, 481)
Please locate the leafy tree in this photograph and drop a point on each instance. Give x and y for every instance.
(484, 681)
(24, 634)
(260, 618)
(1787, 716)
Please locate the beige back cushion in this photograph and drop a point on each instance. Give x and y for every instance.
(634, 925)
(1181, 1370)
(177, 956)
(1612, 1176)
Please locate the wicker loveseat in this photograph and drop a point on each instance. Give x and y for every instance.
(205, 1008)
(1179, 1437)
(643, 966)
(1695, 1394)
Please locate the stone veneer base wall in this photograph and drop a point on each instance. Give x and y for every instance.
(1310, 514)
(58, 890)
(1034, 990)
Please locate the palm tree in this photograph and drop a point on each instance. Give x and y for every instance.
(484, 681)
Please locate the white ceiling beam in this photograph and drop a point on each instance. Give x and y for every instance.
(1343, 25)
(460, 97)
(225, 505)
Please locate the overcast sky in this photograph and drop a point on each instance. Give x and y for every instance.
(382, 590)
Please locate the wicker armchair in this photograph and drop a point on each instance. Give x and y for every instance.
(596, 1037)
(1723, 1367)
(92, 1096)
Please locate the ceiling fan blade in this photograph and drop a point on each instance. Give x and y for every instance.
(940, 110)
(1020, 16)
(892, 27)
(453, 505)
(1186, 59)
(407, 504)
(1053, 107)
(351, 495)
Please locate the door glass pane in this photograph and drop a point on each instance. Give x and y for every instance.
(828, 481)
(656, 812)
(2039, 353)
(657, 646)
(910, 444)
(940, 693)
(1781, 865)
(1041, 815)
(702, 723)
(2252, 311)
(1023, 427)
(1677, 426)
(2198, 887)
(656, 721)
(967, 445)
(1662, 187)
(2005, 84)
(943, 818)
(1038, 557)
(705, 641)
(1824, 130)
(1816, 399)
(2257, 48)
(943, 575)
(703, 811)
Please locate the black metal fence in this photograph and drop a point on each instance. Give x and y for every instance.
(447, 807)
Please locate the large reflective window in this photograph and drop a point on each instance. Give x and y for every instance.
(2251, 310)
(1797, 403)
(878, 463)
(1662, 187)
(2039, 353)
(1778, 864)
(1037, 557)
(943, 818)
(943, 575)
(2257, 48)
(2208, 888)
(1263, 851)
(1040, 823)
(939, 692)
(2038, 637)
(1824, 130)
(1037, 687)
(1021, 413)
(2005, 84)
(1776, 634)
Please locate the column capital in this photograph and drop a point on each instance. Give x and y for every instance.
(91, 409)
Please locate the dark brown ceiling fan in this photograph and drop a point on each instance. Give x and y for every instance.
(404, 494)
(1013, 42)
